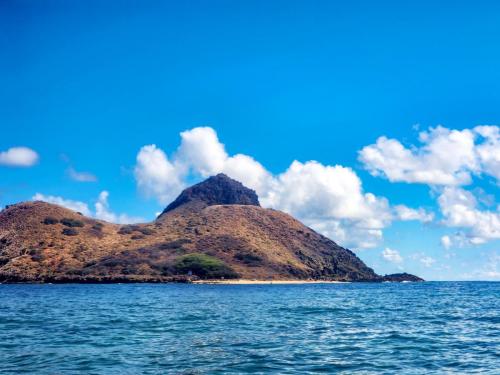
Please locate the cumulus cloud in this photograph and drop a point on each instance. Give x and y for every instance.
(18, 157)
(445, 156)
(328, 198)
(102, 210)
(81, 176)
(156, 176)
(461, 209)
(201, 150)
(446, 159)
(392, 256)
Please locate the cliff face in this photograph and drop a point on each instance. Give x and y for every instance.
(214, 229)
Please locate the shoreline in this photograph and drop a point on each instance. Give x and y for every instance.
(266, 282)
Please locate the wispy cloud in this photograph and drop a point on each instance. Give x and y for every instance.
(81, 176)
(101, 208)
(423, 259)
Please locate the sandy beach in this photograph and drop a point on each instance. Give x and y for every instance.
(265, 282)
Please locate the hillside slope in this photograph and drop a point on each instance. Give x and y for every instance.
(214, 229)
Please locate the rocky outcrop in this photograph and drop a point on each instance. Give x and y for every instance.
(216, 190)
(401, 277)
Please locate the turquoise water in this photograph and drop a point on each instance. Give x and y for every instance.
(416, 328)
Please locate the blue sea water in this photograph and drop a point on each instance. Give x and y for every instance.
(414, 328)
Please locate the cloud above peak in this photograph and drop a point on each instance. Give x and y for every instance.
(156, 175)
(19, 157)
(329, 198)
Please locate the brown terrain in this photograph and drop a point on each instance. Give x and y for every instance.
(213, 230)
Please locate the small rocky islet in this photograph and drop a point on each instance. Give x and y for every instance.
(214, 230)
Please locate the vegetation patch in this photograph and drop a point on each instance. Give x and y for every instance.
(174, 245)
(127, 229)
(72, 223)
(49, 220)
(248, 258)
(97, 227)
(204, 266)
(69, 232)
(145, 231)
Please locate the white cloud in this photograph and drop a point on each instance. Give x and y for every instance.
(314, 189)
(446, 242)
(250, 172)
(392, 256)
(405, 213)
(424, 259)
(102, 211)
(77, 206)
(331, 200)
(346, 232)
(81, 176)
(328, 198)
(460, 209)
(201, 150)
(446, 157)
(489, 150)
(202, 153)
(156, 175)
(18, 157)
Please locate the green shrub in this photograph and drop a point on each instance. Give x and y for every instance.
(97, 227)
(145, 231)
(72, 223)
(49, 220)
(69, 232)
(204, 266)
(127, 229)
(174, 245)
(249, 258)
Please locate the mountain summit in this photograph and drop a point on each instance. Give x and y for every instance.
(215, 229)
(215, 190)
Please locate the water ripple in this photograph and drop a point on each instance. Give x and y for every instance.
(284, 329)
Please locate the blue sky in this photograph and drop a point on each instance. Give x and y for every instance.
(87, 85)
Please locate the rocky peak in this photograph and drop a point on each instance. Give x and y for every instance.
(216, 190)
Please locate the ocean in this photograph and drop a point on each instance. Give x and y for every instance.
(352, 328)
